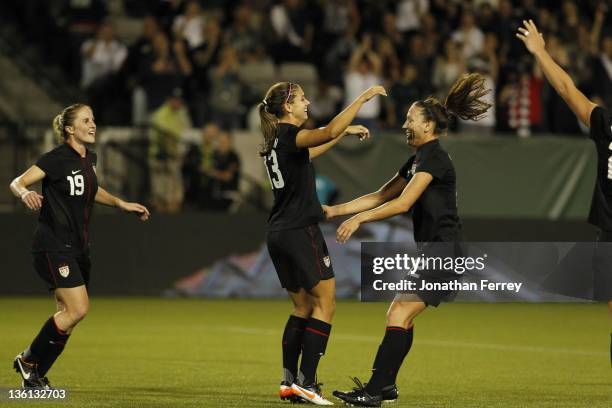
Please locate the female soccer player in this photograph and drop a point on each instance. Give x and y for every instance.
(295, 242)
(61, 241)
(425, 183)
(599, 120)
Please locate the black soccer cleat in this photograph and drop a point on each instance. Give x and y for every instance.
(359, 397)
(29, 374)
(390, 393)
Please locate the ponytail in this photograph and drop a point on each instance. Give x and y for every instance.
(268, 129)
(463, 100)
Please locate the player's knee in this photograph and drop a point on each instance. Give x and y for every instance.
(303, 310)
(326, 306)
(401, 314)
(78, 312)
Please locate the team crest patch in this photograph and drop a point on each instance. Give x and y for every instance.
(64, 271)
(327, 261)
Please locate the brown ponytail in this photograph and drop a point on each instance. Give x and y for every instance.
(65, 118)
(463, 100)
(271, 109)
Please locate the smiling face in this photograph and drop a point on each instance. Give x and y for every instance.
(298, 107)
(83, 129)
(418, 131)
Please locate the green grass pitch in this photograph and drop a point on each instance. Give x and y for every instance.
(146, 352)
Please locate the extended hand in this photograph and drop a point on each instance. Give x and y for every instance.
(361, 131)
(32, 200)
(531, 37)
(372, 92)
(346, 229)
(136, 208)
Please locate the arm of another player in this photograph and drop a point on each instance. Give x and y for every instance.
(556, 76)
(399, 205)
(106, 198)
(337, 126)
(19, 187)
(361, 131)
(390, 190)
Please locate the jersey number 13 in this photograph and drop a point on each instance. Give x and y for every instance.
(274, 173)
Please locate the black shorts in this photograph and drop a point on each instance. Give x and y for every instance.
(300, 257)
(62, 269)
(433, 275)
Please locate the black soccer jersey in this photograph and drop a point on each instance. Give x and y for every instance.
(68, 190)
(601, 133)
(293, 182)
(435, 212)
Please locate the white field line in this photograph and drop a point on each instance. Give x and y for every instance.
(431, 343)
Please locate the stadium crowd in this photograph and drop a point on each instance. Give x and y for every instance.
(414, 47)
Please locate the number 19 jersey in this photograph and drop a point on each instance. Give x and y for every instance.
(69, 189)
(293, 182)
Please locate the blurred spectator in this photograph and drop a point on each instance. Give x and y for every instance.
(521, 100)
(324, 103)
(364, 71)
(102, 56)
(142, 52)
(570, 18)
(242, 37)
(224, 174)
(168, 123)
(293, 31)
(402, 94)
(190, 25)
(226, 89)
(409, 14)
(202, 59)
(447, 68)
(167, 70)
(469, 35)
(419, 57)
(431, 33)
(197, 163)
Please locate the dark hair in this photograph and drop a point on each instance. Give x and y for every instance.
(463, 100)
(271, 109)
(66, 118)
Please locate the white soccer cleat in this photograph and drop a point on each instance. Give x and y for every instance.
(311, 394)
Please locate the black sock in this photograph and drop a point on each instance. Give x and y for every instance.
(292, 346)
(407, 346)
(391, 353)
(313, 347)
(46, 347)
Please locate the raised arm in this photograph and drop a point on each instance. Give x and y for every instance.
(19, 187)
(390, 190)
(106, 198)
(556, 76)
(317, 137)
(399, 205)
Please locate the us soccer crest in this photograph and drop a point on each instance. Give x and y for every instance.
(327, 261)
(64, 271)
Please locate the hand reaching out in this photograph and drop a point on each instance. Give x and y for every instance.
(531, 37)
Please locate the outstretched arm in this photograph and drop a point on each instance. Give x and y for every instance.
(556, 76)
(337, 126)
(106, 198)
(361, 131)
(390, 190)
